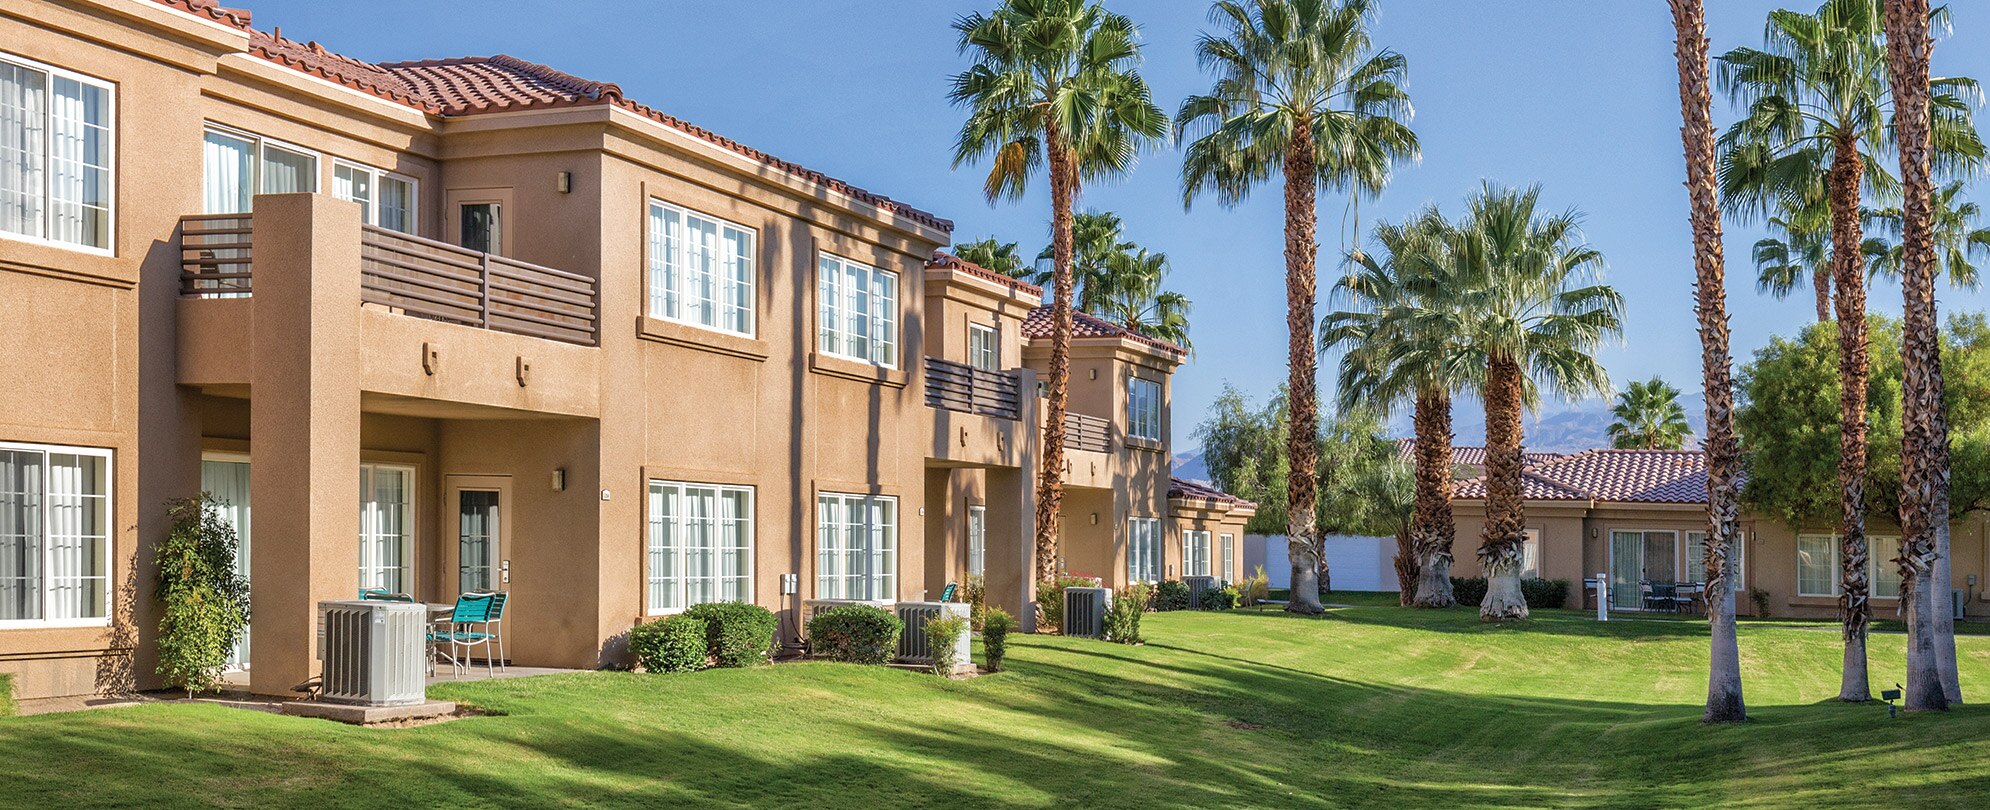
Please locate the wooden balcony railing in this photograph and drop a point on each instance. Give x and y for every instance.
(960, 387)
(214, 255)
(1091, 433)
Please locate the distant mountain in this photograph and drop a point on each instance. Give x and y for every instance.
(1563, 427)
(1189, 466)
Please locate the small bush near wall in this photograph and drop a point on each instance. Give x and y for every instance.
(1171, 595)
(6, 695)
(995, 636)
(1539, 593)
(671, 644)
(1223, 598)
(1123, 615)
(737, 634)
(204, 601)
(1469, 591)
(1050, 601)
(1761, 599)
(856, 634)
(943, 637)
(1254, 589)
(975, 593)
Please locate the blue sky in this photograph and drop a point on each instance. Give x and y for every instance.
(1579, 96)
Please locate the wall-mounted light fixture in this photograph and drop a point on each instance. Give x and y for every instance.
(1095, 518)
(559, 479)
(564, 182)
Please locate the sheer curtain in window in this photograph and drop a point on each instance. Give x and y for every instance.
(285, 171)
(79, 579)
(228, 482)
(79, 164)
(20, 535)
(22, 117)
(229, 169)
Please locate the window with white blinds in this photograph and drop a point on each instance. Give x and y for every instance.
(700, 545)
(56, 144)
(856, 547)
(55, 515)
(701, 270)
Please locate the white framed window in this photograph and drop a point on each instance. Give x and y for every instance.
(1143, 408)
(386, 527)
(238, 165)
(1229, 543)
(55, 518)
(1817, 565)
(1195, 553)
(977, 540)
(1143, 549)
(701, 270)
(856, 547)
(386, 199)
(1696, 556)
(984, 347)
(1885, 572)
(1530, 555)
(857, 311)
(700, 545)
(57, 139)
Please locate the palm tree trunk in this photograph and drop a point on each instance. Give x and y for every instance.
(1302, 440)
(1723, 450)
(1821, 285)
(1050, 478)
(1506, 516)
(1432, 528)
(1848, 270)
(1924, 468)
(1406, 567)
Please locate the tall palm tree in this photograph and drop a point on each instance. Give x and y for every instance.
(1722, 448)
(1924, 441)
(1054, 86)
(1536, 310)
(1801, 253)
(1096, 238)
(1817, 94)
(1132, 297)
(1001, 257)
(1958, 243)
(1399, 341)
(1301, 94)
(1649, 417)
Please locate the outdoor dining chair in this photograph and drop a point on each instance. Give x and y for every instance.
(382, 595)
(475, 623)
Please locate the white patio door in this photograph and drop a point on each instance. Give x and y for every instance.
(386, 510)
(226, 479)
(480, 523)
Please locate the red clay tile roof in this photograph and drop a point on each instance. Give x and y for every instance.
(312, 58)
(1086, 325)
(1470, 455)
(1197, 490)
(212, 11)
(1622, 476)
(943, 259)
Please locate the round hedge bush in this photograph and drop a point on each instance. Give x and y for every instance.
(671, 644)
(736, 634)
(856, 634)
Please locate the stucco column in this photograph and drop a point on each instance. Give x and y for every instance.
(303, 428)
(1011, 502)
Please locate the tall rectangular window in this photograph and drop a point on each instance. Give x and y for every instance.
(1885, 572)
(700, 545)
(1143, 549)
(55, 155)
(1696, 558)
(1530, 555)
(984, 347)
(385, 199)
(857, 311)
(977, 540)
(1817, 565)
(1143, 408)
(1195, 553)
(55, 517)
(386, 527)
(701, 270)
(1229, 543)
(239, 165)
(856, 547)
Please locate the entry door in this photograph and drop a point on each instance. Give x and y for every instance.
(226, 478)
(480, 522)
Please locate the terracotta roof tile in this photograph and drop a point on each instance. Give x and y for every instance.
(1198, 490)
(1621, 476)
(1086, 325)
(312, 58)
(1471, 455)
(943, 259)
(212, 11)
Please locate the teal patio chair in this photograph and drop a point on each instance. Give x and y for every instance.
(382, 595)
(469, 627)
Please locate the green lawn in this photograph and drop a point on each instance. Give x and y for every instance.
(1368, 706)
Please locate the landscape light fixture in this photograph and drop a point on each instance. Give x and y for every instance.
(1891, 695)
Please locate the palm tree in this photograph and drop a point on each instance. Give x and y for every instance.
(1000, 257)
(1132, 297)
(1300, 93)
(1816, 95)
(1398, 338)
(1054, 85)
(1649, 417)
(1801, 253)
(1924, 462)
(1535, 309)
(1958, 243)
(1096, 237)
(1722, 447)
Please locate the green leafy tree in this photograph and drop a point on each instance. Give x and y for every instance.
(1649, 417)
(1244, 448)
(204, 601)
(1366, 488)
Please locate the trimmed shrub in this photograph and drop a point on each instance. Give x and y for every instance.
(1254, 589)
(1544, 593)
(995, 636)
(943, 634)
(974, 592)
(1171, 595)
(737, 634)
(1469, 591)
(1761, 599)
(856, 634)
(6, 695)
(671, 644)
(1122, 618)
(1223, 598)
(204, 601)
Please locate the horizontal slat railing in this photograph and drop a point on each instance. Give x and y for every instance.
(440, 281)
(960, 387)
(1090, 433)
(214, 255)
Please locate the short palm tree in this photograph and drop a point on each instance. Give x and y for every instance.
(1798, 253)
(1001, 257)
(1649, 417)
(1817, 95)
(1132, 297)
(1398, 337)
(1301, 95)
(1958, 243)
(1534, 307)
(1054, 88)
(1096, 238)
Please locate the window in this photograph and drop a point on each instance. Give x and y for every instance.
(240, 165)
(1229, 549)
(858, 311)
(1696, 555)
(55, 155)
(482, 227)
(1195, 554)
(479, 540)
(386, 526)
(1143, 549)
(701, 270)
(984, 347)
(700, 545)
(1143, 408)
(856, 547)
(55, 515)
(977, 540)
(1885, 572)
(1530, 555)
(1817, 565)
(387, 199)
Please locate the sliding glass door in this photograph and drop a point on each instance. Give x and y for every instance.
(386, 511)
